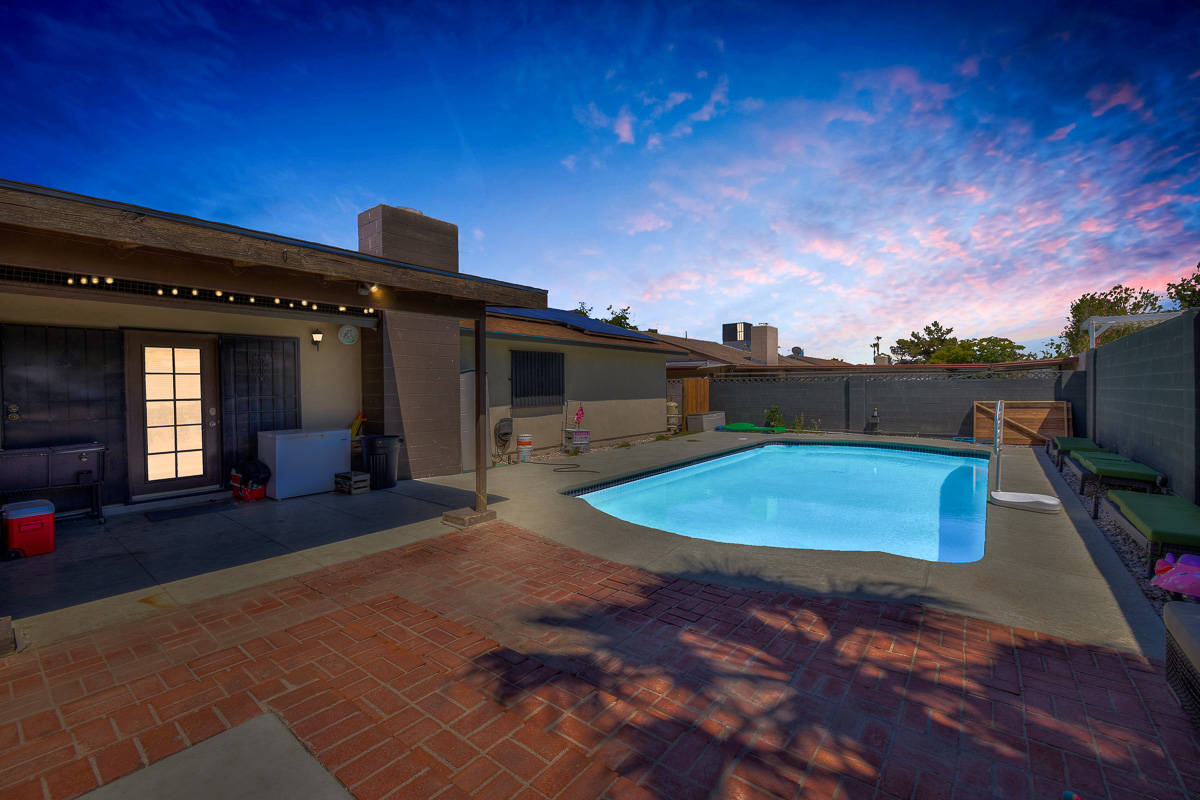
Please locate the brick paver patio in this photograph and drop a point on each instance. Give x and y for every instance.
(494, 663)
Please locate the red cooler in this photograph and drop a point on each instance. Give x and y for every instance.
(28, 528)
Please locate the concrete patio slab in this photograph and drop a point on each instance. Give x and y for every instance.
(1051, 573)
(257, 760)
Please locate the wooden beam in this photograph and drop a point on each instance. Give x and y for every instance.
(482, 456)
(37, 209)
(21, 248)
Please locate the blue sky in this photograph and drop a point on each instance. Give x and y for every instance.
(841, 172)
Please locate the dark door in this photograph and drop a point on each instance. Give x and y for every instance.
(65, 386)
(260, 391)
(173, 423)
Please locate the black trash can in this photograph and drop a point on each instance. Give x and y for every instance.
(381, 458)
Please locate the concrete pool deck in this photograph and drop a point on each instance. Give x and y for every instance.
(1056, 574)
(1053, 573)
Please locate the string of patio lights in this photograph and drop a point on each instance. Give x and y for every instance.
(28, 275)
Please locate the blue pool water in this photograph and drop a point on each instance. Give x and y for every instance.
(921, 505)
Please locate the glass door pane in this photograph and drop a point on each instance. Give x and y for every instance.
(174, 432)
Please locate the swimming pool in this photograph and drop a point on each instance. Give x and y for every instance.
(921, 504)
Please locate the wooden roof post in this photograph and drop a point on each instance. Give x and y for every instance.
(482, 456)
(479, 512)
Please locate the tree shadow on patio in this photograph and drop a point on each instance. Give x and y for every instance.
(695, 689)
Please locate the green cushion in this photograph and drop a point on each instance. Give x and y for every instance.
(1069, 444)
(1160, 517)
(1121, 468)
(739, 426)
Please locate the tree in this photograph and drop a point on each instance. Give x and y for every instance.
(920, 347)
(621, 317)
(1187, 292)
(985, 350)
(1117, 301)
(583, 310)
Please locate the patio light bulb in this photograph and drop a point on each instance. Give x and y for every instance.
(303, 302)
(195, 292)
(174, 291)
(108, 281)
(251, 299)
(218, 293)
(95, 279)
(70, 281)
(160, 292)
(276, 301)
(231, 298)
(291, 305)
(341, 308)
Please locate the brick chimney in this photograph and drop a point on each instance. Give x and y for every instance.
(410, 363)
(405, 234)
(764, 344)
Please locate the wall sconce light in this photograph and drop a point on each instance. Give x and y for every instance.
(318, 336)
(366, 288)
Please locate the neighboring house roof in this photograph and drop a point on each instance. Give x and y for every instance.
(565, 326)
(702, 350)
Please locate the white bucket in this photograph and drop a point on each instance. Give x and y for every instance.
(524, 446)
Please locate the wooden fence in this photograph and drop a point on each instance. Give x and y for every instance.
(1026, 422)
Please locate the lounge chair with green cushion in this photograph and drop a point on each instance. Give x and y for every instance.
(1060, 446)
(1108, 469)
(1160, 521)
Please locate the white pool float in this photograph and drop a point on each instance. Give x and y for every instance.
(1041, 503)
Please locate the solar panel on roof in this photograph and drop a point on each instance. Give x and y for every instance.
(569, 318)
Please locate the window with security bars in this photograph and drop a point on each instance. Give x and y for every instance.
(537, 379)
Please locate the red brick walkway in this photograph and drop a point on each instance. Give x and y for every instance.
(611, 682)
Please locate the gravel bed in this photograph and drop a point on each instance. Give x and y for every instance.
(1130, 552)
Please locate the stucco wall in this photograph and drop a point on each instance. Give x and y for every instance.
(623, 392)
(330, 378)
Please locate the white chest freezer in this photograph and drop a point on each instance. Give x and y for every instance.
(303, 461)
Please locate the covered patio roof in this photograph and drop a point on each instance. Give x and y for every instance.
(49, 229)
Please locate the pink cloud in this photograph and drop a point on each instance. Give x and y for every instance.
(672, 284)
(847, 114)
(1061, 133)
(1151, 204)
(623, 126)
(1094, 225)
(968, 67)
(1106, 97)
(674, 99)
(976, 193)
(718, 100)
(645, 222)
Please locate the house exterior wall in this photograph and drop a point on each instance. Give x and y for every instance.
(623, 392)
(330, 378)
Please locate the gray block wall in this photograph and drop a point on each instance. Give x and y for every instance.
(930, 405)
(1142, 399)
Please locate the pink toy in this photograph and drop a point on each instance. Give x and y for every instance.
(1180, 575)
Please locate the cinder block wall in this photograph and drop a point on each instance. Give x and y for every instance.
(411, 366)
(927, 405)
(1142, 392)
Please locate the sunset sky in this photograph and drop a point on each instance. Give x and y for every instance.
(841, 173)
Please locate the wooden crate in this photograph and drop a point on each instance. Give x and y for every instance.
(1026, 422)
(352, 482)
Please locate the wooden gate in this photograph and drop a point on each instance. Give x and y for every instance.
(1026, 422)
(695, 397)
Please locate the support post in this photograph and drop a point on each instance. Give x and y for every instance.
(473, 515)
(482, 456)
